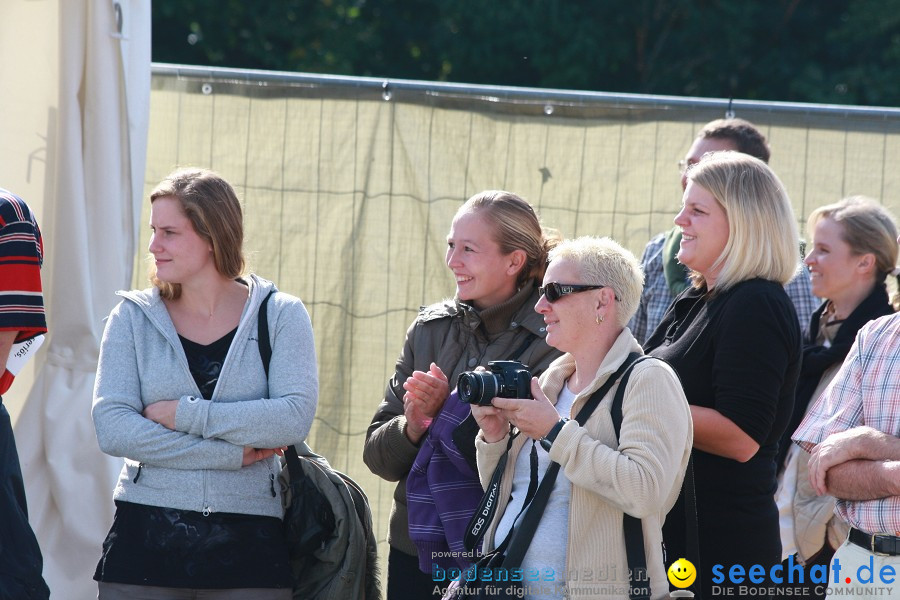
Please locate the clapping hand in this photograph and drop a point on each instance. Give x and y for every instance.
(423, 400)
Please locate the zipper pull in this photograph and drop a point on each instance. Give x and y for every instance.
(272, 483)
(138, 474)
(206, 511)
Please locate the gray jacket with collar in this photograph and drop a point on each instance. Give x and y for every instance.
(198, 466)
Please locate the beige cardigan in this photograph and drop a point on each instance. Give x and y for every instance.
(640, 476)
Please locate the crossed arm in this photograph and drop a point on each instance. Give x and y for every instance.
(861, 463)
(212, 435)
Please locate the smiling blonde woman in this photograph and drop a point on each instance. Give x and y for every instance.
(497, 253)
(853, 249)
(734, 340)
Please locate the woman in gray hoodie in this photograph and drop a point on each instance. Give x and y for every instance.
(182, 395)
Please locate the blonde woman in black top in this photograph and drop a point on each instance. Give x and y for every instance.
(734, 340)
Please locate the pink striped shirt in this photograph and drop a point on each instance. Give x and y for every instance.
(866, 391)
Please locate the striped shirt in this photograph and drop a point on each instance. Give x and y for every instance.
(866, 391)
(21, 255)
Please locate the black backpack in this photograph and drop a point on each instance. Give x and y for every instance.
(327, 519)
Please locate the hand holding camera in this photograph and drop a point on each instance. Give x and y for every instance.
(507, 394)
(506, 379)
(535, 417)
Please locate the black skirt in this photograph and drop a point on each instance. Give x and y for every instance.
(152, 545)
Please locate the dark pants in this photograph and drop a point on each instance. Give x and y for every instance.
(20, 557)
(807, 590)
(406, 581)
(121, 591)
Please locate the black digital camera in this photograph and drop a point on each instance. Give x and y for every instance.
(506, 379)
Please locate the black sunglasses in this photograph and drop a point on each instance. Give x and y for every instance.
(554, 291)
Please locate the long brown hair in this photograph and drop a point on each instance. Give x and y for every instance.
(212, 207)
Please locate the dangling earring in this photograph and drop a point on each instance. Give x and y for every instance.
(599, 319)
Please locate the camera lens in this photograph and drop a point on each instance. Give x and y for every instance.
(489, 386)
(477, 387)
(469, 387)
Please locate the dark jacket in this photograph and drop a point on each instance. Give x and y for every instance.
(457, 338)
(818, 358)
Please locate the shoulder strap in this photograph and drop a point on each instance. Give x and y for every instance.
(588, 409)
(692, 533)
(262, 333)
(265, 353)
(523, 534)
(616, 409)
(521, 349)
(690, 504)
(634, 531)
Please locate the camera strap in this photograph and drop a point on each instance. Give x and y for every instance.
(487, 508)
(484, 514)
(521, 349)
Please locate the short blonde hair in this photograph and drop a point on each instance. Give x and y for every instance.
(602, 261)
(866, 226)
(213, 208)
(763, 240)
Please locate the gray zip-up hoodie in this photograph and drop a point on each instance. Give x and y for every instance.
(198, 466)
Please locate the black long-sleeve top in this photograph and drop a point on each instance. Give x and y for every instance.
(737, 352)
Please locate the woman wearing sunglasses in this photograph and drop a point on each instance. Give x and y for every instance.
(734, 339)
(497, 252)
(591, 289)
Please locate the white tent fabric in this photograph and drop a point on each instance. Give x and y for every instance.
(95, 159)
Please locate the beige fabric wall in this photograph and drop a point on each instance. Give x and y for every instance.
(349, 196)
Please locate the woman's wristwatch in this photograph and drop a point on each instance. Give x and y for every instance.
(547, 440)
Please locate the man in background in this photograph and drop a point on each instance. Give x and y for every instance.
(21, 320)
(664, 276)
